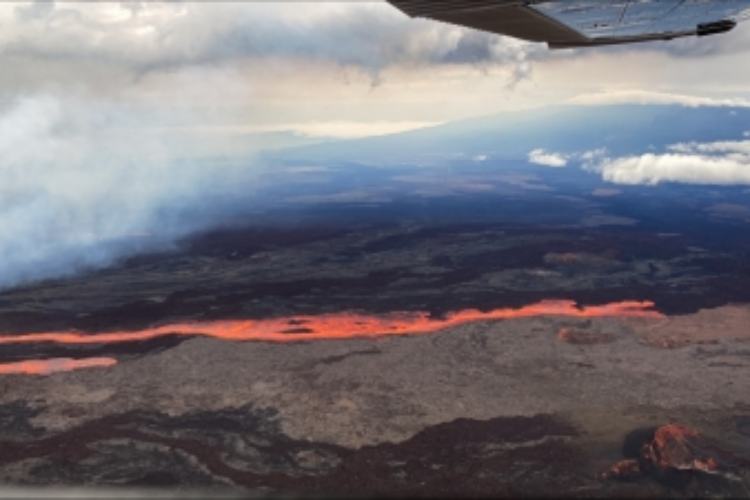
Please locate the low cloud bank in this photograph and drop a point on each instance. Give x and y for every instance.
(723, 163)
(646, 97)
(653, 169)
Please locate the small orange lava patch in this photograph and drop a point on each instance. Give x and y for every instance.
(54, 365)
(339, 326)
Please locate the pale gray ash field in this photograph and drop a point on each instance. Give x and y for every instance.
(489, 326)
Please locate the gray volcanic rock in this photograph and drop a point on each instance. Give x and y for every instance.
(680, 457)
(227, 409)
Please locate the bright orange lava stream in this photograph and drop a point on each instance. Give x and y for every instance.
(341, 325)
(48, 366)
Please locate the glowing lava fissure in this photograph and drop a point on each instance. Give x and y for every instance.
(339, 326)
(54, 365)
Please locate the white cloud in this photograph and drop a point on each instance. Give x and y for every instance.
(590, 158)
(713, 163)
(547, 159)
(649, 97)
(654, 169)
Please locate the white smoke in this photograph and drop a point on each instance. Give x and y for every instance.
(84, 184)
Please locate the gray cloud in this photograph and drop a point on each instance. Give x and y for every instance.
(38, 9)
(372, 36)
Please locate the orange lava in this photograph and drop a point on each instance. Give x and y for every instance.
(341, 325)
(48, 366)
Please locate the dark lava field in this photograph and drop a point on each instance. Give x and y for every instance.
(636, 386)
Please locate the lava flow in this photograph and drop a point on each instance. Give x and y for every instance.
(49, 366)
(340, 325)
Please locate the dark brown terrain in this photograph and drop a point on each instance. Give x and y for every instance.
(540, 405)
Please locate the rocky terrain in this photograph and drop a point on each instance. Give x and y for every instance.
(454, 399)
(485, 408)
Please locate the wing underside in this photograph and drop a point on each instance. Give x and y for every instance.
(580, 23)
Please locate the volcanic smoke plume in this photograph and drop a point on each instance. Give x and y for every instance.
(84, 183)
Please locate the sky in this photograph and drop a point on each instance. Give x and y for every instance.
(116, 119)
(325, 68)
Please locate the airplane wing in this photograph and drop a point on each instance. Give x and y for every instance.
(584, 23)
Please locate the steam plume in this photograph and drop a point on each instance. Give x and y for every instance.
(84, 184)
